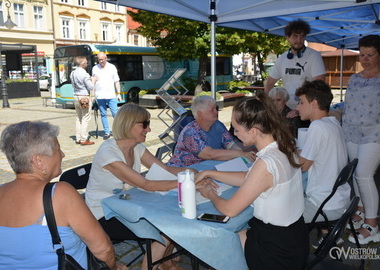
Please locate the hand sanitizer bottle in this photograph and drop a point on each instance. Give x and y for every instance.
(181, 178)
(189, 206)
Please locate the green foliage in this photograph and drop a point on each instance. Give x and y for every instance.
(147, 92)
(181, 39)
(236, 85)
(207, 93)
(19, 80)
(243, 91)
(190, 84)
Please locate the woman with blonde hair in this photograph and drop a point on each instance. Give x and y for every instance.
(117, 166)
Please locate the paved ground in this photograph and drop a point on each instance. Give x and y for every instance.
(32, 109)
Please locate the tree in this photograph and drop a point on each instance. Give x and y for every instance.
(182, 39)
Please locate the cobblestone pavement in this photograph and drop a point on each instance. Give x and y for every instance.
(33, 109)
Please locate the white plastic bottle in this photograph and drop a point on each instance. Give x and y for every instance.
(189, 206)
(181, 178)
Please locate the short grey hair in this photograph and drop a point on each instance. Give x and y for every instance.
(281, 91)
(21, 141)
(201, 103)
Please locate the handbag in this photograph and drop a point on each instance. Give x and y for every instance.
(65, 261)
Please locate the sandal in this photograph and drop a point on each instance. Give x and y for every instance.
(373, 237)
(357, 222)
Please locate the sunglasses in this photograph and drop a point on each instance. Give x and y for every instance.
(145, 124)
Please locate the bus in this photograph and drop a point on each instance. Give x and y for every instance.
(139, 68)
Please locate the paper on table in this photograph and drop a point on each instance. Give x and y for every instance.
(158, 173)
(233, 165)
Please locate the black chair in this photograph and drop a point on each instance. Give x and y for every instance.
(78, 178)
(165, 150)
(316, 260)
(345, 176)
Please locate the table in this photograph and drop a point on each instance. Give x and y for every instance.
(149, 213)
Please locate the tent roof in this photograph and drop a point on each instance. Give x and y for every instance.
(338, 23)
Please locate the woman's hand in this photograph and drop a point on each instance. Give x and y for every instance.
(292, 114)
(251, 155)
(207, 187)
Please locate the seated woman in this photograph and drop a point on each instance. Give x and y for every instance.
(33, 151)
(117, 166)
(280, 96)
(279, 237)
(206, 137)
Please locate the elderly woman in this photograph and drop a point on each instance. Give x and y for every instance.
(206, 137)
(361, 126)
(279, 237)
(117, 165)
(34, 154)
(280, 96)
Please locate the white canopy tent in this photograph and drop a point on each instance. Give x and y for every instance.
(338, 23)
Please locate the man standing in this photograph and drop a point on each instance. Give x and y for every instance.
(324, 153)
(298, 64)
(83, 93)
(106, 81)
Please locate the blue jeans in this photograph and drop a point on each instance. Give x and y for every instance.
(112, 104)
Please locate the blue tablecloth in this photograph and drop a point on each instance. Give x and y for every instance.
(149, 213)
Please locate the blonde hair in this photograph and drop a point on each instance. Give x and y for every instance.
(80, 59)
(126, 117)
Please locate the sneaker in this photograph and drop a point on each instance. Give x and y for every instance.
(106, 137)
(315, 244)
(373, 237)
(357, 223)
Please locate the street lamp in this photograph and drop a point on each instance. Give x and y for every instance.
(9, 24)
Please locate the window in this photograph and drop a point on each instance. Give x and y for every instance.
(19, 14)
(83, 30)
(81, 3)
(117, 8)
(105, 31)
(64, 1)
(38, 19)
(1, 13)
(118, 32)
(103, 6)
(136, 40)
(66, 33)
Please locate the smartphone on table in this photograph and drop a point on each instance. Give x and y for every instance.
(213, 218)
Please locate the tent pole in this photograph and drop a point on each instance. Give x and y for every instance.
(213, 19)
(341, 73)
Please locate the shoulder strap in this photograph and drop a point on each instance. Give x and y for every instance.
(49, 214)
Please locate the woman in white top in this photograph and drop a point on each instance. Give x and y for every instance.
(117, 166)
(279, 237)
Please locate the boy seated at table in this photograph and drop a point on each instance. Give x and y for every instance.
(324, 153)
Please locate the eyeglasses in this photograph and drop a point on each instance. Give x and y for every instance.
(145, 124)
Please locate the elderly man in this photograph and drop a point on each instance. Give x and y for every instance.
(206, 137)
(107, 89)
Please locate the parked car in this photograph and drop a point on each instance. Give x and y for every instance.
(44, 82)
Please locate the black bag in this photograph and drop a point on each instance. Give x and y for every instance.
(65, 261)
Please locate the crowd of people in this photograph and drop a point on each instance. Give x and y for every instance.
(264, 132)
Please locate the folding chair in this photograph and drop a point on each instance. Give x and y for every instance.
(344, 177)
(165, 150)
(78, 178)
(316, 260)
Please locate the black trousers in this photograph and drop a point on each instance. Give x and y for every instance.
(116, 230)
(274, 247)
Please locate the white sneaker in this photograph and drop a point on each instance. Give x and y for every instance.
(373, 237)
(357, 223)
